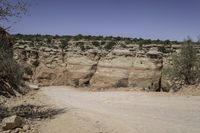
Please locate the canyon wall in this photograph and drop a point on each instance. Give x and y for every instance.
(94, 66)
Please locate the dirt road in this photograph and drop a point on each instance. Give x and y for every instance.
(122, 112)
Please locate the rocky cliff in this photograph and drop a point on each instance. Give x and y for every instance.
(85, 64)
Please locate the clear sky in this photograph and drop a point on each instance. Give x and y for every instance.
(163, 19)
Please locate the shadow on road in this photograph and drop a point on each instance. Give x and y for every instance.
(32, 112)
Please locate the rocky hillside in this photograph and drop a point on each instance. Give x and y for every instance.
(95, 64)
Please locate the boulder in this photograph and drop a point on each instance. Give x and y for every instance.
(122, 52)
(11, 122)
(154, 54)
(34, 87)
(26, 127)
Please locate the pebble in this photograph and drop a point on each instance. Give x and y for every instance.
(26, 127)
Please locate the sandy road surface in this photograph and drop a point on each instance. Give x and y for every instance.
(122, 112)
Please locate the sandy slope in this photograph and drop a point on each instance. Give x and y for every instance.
(122, 112)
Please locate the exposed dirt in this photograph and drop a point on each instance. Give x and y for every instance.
(121, 112)
(33, 107)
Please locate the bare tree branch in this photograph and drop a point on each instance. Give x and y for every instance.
(12, 9)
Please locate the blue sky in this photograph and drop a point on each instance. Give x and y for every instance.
(163, 19)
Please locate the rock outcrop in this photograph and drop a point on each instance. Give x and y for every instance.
(11, 122)
(95, 67)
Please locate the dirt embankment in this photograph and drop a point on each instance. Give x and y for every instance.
(34, 108)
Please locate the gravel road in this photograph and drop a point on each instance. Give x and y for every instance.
(121, 112)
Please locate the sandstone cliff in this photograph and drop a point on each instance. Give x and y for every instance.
(85, 64)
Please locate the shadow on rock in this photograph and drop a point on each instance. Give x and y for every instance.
(3, 112)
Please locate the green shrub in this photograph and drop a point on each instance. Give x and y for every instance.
(49, 40)
(109, 45)
(64, 44)
(186, 65)
(82, 47)
(11, 72)
(88, 47)
(103, 43)
(96, 43)
(162, 49)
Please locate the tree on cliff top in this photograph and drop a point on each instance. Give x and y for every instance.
(63, 45)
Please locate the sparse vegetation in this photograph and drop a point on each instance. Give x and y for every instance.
(110, 45)
(10, 75)
(49, 41)
(186, 65)
(63, 45)
(140, 46)
(10, 72)
(94, 39)
(96, 43)
(82, 47)
(162, 49)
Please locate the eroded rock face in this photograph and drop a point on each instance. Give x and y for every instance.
(98, 68)
(122, 71)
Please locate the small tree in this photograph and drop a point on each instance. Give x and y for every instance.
(186, 64)
(63, 45)
(48, 40)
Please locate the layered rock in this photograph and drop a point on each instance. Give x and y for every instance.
(94, 67)
(127, 70)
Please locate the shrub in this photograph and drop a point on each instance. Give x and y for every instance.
(140, 46)
(109, 45)
(122, 83)
(10, 71)
(186, 65)
(96, 43)
(123, 46)
(82, 47)
(64, 44)
(49, 40)
(162, 49)
(88, 47)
